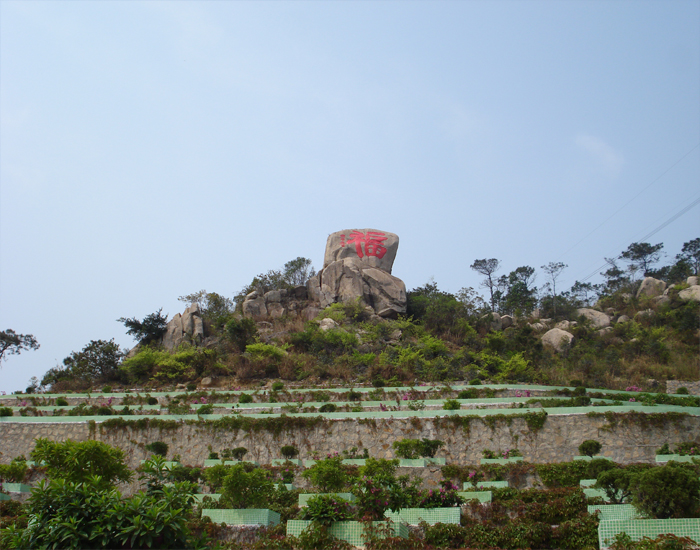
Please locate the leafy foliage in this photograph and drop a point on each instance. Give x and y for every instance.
(151, 329)
(12, 343)
(77, 462)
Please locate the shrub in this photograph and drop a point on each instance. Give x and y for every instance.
(61, 402)
(78, 461)
(206, 409)
(6, 411)
(151, 401)
(241, 332)
(407, 448)
(245, 398)
(325, 509)
(451, 405)
(68, 514)
(289, 452)
(191, 387)
(682, 391)
(475, 382)
(327, 408)
(590, 447)
(671, 491)
(617, 484)
(428, 447)
(158, 448)
(244, 488)
(277, 386)
(468, 394)
(238, 453)
(328, 475)
(15, 471)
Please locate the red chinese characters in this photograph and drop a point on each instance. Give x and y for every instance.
(372, 241)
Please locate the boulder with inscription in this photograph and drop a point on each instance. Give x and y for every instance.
(357, 266)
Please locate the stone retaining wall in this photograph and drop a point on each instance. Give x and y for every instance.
(631, 438)
(673, 385)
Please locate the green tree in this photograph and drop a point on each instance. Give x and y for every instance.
(690, 253)
(151, 329)
(515, 293)
(97, 362)
(488, 267)
(79, 461)
(671, 491)
(590, 447)
(12, 343)
(641, 256)
(553, 270)
(298, 271)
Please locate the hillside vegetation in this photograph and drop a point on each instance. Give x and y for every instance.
(443, 337)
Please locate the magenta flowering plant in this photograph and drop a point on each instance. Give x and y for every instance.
(444, 497)
(633, 388)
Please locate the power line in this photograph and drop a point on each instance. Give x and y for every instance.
(654, 232)
(628, 202)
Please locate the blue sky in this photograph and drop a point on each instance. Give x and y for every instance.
(152, 149)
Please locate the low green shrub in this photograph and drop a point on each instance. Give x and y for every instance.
(327, 408)
(158, 448)
(245, 398)
(61, 402)
(107, 389)
(289, 452)
(590, 447)
(451, 405)
(6, 411)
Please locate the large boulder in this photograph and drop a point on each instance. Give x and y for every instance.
(597, 318)
(557, 339)
(370, 247)
(187, 327)
(651, 287)
(691, 293)
(357, 266)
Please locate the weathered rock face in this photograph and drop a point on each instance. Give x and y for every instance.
(557, 339)
(597, 318)
(651, 287)
(357, 264)
(278, 303)
(187, 327)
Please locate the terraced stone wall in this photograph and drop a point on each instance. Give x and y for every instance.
(625, 438)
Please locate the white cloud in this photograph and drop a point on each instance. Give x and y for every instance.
(602, 154)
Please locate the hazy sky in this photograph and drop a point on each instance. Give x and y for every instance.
(152, 149)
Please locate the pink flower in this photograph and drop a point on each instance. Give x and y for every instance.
(632, 400)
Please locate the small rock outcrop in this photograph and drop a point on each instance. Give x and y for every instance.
(651, 287)
(278, 303)
(357, 265)
(187, 327)
(557, 339)
(597, 318)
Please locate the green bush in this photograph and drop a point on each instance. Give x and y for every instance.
(327, 408)
(289, 452)
(682, 391)
(15, 471)
(475, 382)
(325, 509)
(245, 398)
(61, 402)
(158, 448)
(328, 475)
(590, 447)
(78, 461)
(206, 409)
(414, 448)
(671, 491)
(242, 332)
(107, 389)
(238, 453)
(468, 394)
(617, 484)
(191, 387)
(277, 386)
(6, 411)
(244, 488)
(151, 401)
(451, 405)
(260, 352)
(68, 514)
